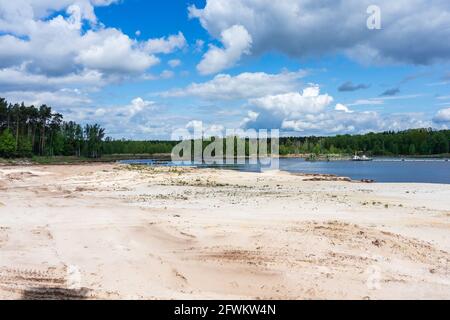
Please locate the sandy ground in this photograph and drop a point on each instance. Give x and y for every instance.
(121, 232)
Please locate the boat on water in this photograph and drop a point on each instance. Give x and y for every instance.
(361, 158)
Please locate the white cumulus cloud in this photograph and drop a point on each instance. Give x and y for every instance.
(50, 45)
(294, 103)
(242, 86)
(166, 44)
(236, 42)
(442, 116)
(305, 28)
(342, 108)
(112, 51)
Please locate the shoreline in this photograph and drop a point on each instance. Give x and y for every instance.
(71, 160)
(104, 231)
(314, 176)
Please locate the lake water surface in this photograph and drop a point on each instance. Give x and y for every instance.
(380, 170)
(420, 171)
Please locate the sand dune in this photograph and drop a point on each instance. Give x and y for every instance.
(123, 232)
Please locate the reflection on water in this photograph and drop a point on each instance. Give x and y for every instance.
(380, 170)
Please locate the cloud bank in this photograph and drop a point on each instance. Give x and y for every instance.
(301, 28)
(46, 46)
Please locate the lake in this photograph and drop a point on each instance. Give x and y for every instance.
(420, 171)
(379, 170)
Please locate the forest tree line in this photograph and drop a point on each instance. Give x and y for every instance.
(111, 147)
(413, 142)
(26, 131)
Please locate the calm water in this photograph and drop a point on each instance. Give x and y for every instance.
(380, 170)
(426, 171)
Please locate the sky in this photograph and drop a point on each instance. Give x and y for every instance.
(143, 69)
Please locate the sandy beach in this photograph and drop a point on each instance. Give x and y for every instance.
(106, 231)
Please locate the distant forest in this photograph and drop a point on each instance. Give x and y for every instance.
(414, 142)
(27, 131)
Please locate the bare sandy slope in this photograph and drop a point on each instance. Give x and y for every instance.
(110, 231)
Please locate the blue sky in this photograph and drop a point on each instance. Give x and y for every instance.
(145, 68)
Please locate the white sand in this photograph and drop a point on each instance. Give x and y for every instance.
(110, 231)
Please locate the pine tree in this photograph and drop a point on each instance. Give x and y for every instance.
(7, 144)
